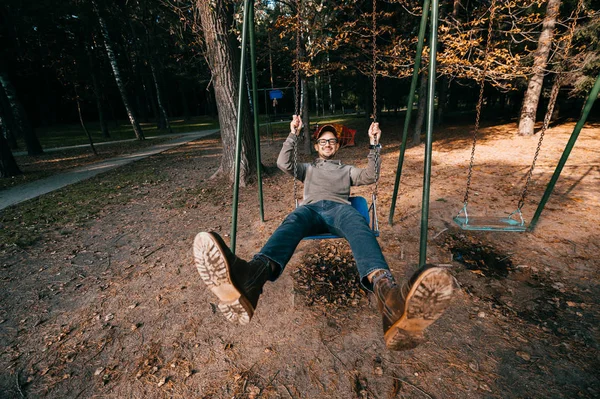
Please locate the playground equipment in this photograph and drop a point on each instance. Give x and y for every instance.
(248, 11)
(514, 222)
(358, 203)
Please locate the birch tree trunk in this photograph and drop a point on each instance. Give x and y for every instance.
(540, 60)
(137, 129)
(216, 18)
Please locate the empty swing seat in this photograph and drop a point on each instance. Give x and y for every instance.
(490, 223)
(361, 205)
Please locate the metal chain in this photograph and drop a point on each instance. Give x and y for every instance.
(296, 99)
(296, 170)
(297, 65)
(374, 72)
(480, 101)
(377, 171)
(552, 101)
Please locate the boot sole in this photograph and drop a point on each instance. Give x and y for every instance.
(427, 299)
(211, 263)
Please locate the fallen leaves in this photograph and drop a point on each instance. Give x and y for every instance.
(328, 277)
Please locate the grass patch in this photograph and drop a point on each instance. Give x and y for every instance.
(73, 134)
(72, 207)
(53, 162)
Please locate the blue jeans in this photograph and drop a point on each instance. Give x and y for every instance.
(327, 217)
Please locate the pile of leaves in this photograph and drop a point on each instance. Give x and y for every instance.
(328, 276)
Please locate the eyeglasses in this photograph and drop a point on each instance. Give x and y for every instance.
(327, 141)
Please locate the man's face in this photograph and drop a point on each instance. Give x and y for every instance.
(325, 146)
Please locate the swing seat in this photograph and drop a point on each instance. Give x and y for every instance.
(358, 203)
(487, 223)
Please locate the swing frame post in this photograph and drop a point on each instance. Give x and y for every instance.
(429, 138)
(255, 110)
(409, 108)
(565, 156)
(238, 134)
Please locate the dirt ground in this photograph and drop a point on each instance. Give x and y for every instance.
(115, 309)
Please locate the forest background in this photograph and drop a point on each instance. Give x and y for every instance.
(99, 62)
(98, 292)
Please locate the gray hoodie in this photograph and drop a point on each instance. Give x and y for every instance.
(326, 179)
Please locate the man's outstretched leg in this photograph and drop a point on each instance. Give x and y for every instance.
(236, 283)
(407, 310)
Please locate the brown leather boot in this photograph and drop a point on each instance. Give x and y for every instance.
(409, 309)
(236, 283)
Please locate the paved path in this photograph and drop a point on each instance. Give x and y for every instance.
(36, 188)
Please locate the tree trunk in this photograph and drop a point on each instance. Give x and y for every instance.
(216, 18)
(153, 107)
(322, 96)
(331, 103)
(455, 7)
(421, 112)
(8, 165)
(316, 83)
(305, 111)
(87, 132)
(5, 131)
(184, 103)
(22, 121)
(137, 129)
(540, 60)
(159, 99)
(7, 120)
(97, 95)
(442, 100)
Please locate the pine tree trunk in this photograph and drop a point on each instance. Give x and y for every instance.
(216, 18)
(540, 60)
(22, 121)
(137, 129)
(421, 111)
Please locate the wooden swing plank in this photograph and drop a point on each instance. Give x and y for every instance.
(489, 223)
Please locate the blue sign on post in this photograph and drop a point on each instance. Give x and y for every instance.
(275, 94)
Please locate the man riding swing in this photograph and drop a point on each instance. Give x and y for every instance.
(406, 309)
